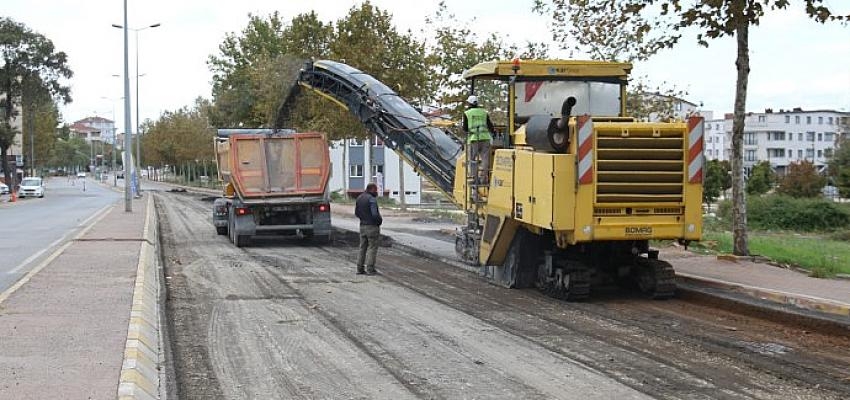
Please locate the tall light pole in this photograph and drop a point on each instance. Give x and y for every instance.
(138, 117)
(128, 198)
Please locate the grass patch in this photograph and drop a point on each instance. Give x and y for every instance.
(819, 254)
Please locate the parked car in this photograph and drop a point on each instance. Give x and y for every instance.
(81, 174)
(31, 187)
(4, 188)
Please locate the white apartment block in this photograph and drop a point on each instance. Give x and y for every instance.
(94, 129)
(15, 152)
(347, 171)
(780, 137)
(716, 147)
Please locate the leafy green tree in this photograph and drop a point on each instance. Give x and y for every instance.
(30, 63)
(839, 167)
(801, 180)
(69, 152)
(717, 180)
(762, 178)
(180, 136)
(40, 119)
(232, 91)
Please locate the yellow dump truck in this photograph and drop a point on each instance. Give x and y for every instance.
(276, 184)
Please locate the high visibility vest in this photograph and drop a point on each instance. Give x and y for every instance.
(476, 119)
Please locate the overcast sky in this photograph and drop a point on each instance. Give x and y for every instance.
(795, 61)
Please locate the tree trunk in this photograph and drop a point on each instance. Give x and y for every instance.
(739, 201)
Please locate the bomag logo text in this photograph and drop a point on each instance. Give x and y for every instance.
(638, 230)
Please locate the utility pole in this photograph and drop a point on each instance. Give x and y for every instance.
(128, 144)
(32, 138)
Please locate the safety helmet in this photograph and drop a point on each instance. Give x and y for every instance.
(472, 100)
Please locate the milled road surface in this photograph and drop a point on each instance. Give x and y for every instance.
(286, 320)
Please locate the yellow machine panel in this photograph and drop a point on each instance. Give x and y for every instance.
(500, 196)
(541, 200)
(563, 191)
(524, 186)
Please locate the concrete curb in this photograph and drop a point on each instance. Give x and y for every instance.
(140, 372)
(798, 300)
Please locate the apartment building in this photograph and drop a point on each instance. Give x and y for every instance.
(348, 165)
(15, 152)
(781, 137)
(94, 129)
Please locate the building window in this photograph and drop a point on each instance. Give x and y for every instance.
(775, 153)
(830, 121)
(750, 155)
(809, 120)
(376, 141)
(820, 153)
(750, 139)
(810, 153)
(377, 168)
(790, 153)
(810, 136)
(717, 126)
(355, 143)
(799, 154)
(787, 119)
(797, 119)
(355, 170)
(708, 127)
(778, 136)
(820, 120)
(820, 137)
(829, 137)
(827, 153)
(762, 118)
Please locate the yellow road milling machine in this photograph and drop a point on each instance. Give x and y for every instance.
(576, 190)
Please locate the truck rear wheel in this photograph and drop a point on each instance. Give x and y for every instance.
(241, 240)
(221, 230)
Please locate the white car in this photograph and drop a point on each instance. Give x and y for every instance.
(31, 187)
(4, 188)
(81, 174)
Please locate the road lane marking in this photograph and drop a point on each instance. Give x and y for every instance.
(97, 217)
(51, 245)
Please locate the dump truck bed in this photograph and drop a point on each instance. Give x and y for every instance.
(270, 164)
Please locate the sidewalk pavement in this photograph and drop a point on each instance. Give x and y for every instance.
(758, 280)
(69, 328)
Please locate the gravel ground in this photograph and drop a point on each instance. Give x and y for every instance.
(282, 319)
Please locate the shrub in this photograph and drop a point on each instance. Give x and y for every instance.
(801, 180)
(779, 212)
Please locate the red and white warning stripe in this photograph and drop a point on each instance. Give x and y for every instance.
(696, 131)
(584, 126)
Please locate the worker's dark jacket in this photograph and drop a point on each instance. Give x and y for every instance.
(366, 209)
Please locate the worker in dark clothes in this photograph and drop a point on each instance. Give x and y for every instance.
(366, 209)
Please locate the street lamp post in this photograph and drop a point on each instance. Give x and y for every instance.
(138, 117)
(128, 198)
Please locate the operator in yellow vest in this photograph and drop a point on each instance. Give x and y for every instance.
(478, 127)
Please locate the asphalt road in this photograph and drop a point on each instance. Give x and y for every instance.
(284, 319)
(31, 227)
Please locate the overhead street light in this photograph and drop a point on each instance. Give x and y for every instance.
(128, 143)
